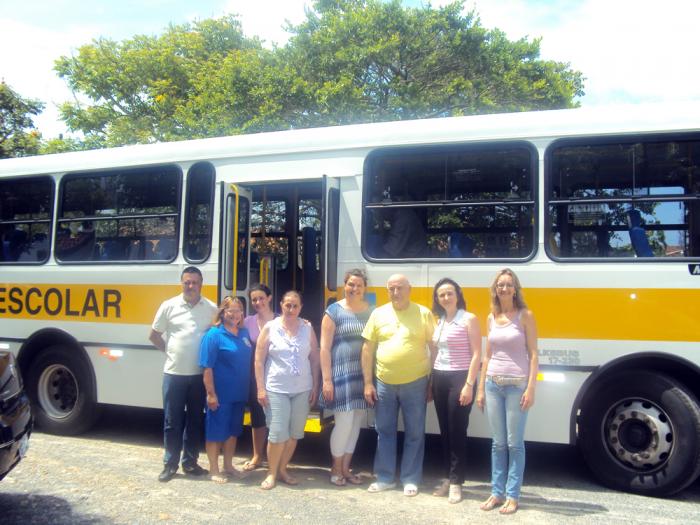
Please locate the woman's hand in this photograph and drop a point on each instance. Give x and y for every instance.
(262, 397)
(528, 398)
(212, 401)
(466, 396)
(480, 399)
(370, 394)
(313, 396)
(328, 391)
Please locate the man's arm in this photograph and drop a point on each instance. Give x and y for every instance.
(369, 349)
(156, 338)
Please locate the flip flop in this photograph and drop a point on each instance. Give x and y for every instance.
(442, 489)
(218, 479)
(288, 479)
(268, 484)
(509, 507)
(354, 479)
(249, 466)
(338, 481)
(237, 474)
(380, 486)
(491, 503)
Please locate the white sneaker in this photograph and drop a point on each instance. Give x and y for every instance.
(380, 486)
(455, 494)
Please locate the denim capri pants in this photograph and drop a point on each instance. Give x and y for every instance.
(286, 415)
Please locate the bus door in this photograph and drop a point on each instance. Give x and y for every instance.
(330, 222)
(286, 242)
(235, 242)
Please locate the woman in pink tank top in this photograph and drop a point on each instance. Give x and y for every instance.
(507, 387)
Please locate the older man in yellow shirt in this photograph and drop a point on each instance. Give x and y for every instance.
(397, 357)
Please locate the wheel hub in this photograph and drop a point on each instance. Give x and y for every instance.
(640, 434)
(57, 391)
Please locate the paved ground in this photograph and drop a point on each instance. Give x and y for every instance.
(108, 476)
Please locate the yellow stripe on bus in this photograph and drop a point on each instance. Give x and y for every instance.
(642, 314)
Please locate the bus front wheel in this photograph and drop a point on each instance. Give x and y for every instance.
(640, 432)
(60, 385)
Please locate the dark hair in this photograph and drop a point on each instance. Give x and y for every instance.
(291, 292)
(260, 287)
(192, 269)
(461, 303)
(356, 272)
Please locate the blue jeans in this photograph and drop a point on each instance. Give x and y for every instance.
(411, 398)
(507, 423)
(183, 424)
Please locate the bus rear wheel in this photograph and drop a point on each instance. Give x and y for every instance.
(61, 388)
(640, 432)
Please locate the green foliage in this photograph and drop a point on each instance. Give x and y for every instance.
(350, 61)
(18, 136)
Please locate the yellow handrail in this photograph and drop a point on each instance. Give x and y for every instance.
(234, 188)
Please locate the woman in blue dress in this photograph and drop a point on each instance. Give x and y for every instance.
(343, 384)
(224, 355)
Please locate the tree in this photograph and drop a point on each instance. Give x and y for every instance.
(136, 88)
(350, 61)
(18, 136)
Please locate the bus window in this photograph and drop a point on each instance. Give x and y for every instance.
(26, 209)
(465, 202)
(626, 199)
(199, 205)
(119, 216)
(269, 232)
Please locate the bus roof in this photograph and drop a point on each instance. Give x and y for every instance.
(601, 120)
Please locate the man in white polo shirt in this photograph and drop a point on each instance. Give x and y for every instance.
(177, 330)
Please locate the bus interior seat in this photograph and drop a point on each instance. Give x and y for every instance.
(638, 235)
(460, 245)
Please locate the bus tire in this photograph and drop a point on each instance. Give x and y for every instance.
(640, 432)
(60, 386)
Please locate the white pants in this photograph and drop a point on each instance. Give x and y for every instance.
(346, 431)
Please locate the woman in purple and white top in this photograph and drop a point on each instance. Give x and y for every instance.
(507, 387)
(287, 372)
(458, 340)
(261, 300)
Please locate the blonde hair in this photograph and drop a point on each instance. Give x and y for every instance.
(518, 299)
(226, 303)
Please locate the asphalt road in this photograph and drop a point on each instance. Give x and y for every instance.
(109, 476)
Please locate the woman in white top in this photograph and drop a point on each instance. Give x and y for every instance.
(456, 367)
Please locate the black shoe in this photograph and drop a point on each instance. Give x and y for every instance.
(195, 470)
(167, 474)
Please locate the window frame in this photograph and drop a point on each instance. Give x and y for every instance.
(177, 215)
(446, 149)
(49, 221)
(186, 208)
(598, 140)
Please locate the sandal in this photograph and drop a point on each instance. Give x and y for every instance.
(218, 479)
(491, 503)
(268, 483)
(249, 466)
(338, 481)
(288, 479)
(353, 479)
(237, 474)
(509, 507)
(442, 489)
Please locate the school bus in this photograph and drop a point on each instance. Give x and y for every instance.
(597, 210)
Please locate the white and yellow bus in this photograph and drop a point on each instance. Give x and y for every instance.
(596, 210)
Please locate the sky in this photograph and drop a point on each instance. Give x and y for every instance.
(629, 51)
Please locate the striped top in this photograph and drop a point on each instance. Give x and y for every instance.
(452, 340)
(288, 369)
